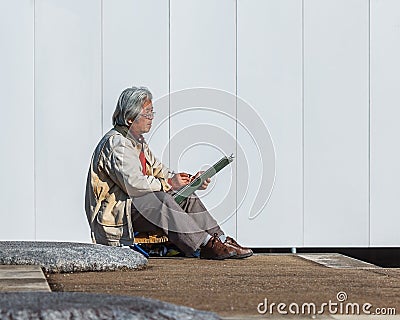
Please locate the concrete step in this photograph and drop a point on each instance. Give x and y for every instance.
(337, 261)
(22, 278)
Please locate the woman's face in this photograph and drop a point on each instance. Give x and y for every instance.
(144, 121)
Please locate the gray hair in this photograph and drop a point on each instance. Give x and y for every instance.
(130, 104)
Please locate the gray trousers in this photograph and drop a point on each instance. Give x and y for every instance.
(186, 225)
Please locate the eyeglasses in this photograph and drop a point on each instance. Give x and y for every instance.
(149, 115)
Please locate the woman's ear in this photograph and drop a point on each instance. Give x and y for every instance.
(130, 121)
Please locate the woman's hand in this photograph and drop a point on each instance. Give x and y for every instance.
(179, 180)
(205, 183)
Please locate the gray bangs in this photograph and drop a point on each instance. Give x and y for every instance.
(130, 104)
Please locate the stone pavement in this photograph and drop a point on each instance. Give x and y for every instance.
(338, 261)
(22, 278)
(187, 288)
(234, 288)
(25, 293)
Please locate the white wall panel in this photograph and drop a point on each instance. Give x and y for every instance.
(63, 65)
(385, 113)
(16, 120)
(336, 101)
(203, 54)
(135, 47)
(67, 114)
(270, 80)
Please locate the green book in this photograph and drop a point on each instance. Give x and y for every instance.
(190, 188)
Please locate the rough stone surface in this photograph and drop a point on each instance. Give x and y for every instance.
(75, 305)
(56, 257)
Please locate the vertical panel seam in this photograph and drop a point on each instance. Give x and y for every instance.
(236, 117)
(102, 66)
(369, 123)
(169, 83)
(34, 124)
(302, 117)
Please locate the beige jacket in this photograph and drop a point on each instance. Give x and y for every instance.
(115, 175)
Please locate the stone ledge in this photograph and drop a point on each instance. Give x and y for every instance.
(56, 257)
(337, 261)
(22, 278)
(82, 306)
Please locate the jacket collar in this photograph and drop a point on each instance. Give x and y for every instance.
(124, 130)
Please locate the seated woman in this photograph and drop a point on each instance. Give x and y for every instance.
(129, 190)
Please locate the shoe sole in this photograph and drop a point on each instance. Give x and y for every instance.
(239, 256)
(242, 256)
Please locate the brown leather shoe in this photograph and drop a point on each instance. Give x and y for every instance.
(241, 252)
(216, 250)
